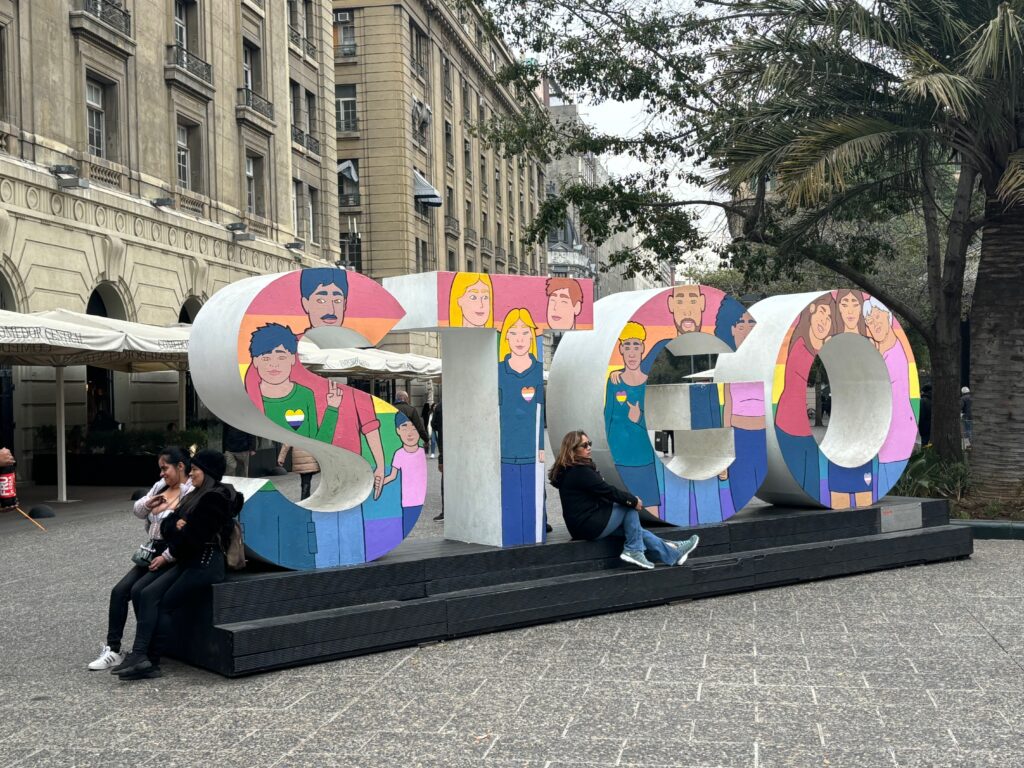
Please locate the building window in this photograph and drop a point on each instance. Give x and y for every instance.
(418, 50)
(453, 264)
(348, 183)
(254, 200)
(313, 214)
(421, 255)
(310, 16)
(297, 206)
(481, 110)
(483, 174)
(295, 95)
(345, 107)
(345, 32)
(484, 225)
(497, 186)
(186, 25)
(421, 116)
(446, 70)
(449, 201)
(470, 265)
(310, 113)
(252, 67)
(469, 212)
(187, 155)
(351, 251)
(467, 157)
(97, 118)
(449, 144)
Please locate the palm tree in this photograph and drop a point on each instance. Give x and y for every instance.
(890, 106)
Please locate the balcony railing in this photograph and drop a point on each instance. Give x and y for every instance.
(499, 254)
(347, 124)
(483, 183)
(294, 36)
(469, 173)
(450, 158)
(258, 3)
(249, 98)
(312, 144)
(448, 94)
(451, 226)
(310, 47)
(469, 235)
(419, 68)
(465, 114)
(351, 200)
(486, 246)
(184, 59)
(110, 13)
(298, 136)
(345, 49)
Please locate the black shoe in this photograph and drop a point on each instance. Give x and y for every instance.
(440, 517)
(130, 660)
(144, 670)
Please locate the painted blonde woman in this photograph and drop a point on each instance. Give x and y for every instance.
(470, 302)
(521, 416)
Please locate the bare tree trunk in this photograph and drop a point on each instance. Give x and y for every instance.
(997, 356)
(944, 351)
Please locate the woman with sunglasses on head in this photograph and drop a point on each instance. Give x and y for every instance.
(595, 509)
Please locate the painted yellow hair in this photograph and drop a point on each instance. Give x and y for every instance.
(633, 331)
(513, 317)
(460, 285)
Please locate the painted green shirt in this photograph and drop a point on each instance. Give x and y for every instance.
(297, 411)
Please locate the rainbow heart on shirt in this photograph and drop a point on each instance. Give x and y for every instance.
(621, 395)
(528, 393)
(295, 418)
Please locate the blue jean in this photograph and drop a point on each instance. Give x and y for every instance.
(626, 522)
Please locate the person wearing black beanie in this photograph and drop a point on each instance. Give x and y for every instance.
(196, 535)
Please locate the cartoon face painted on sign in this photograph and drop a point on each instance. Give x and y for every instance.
(565, 302)
(470, 301)
(355, 516)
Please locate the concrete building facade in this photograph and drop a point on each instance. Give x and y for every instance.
(411, 79)
(131, 137)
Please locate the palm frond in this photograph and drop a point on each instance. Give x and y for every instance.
(998, 47)
(955, 93)
(1010, 189)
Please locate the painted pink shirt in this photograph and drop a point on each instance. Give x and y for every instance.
(899, 443)
(747, 398)
(791, 416)
(414, 475)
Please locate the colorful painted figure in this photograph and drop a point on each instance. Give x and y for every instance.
(521, 419)
(792, 427)
(410, 463)
(470, 303)
(850, 486)
(324, 294)
(733, 323)
(743, 411)
(624, 420)
(565, 302)
(899, 443)
(273, 348)
(686, 303)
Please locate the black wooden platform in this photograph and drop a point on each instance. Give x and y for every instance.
(431, 589)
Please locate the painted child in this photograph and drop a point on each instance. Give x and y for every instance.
(274, 350)
(411, 461)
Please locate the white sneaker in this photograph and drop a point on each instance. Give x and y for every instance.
(106, 659)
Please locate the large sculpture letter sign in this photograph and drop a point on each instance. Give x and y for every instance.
(493, 391)
(245, 365)
(746, 434)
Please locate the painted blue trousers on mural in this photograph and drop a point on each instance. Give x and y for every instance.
(519, 504)
(888, 475)
(642, 482)
(801, 454)
(626, 522)
(409, 517)
(750, 468)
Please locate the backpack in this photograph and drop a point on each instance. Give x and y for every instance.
(234, 550)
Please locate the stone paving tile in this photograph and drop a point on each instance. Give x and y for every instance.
(782, 756)
(688, 754)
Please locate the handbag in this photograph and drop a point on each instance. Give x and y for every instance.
(144, 555)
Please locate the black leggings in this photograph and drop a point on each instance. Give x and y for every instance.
(305, 481)
(127, 589)
(185, 583)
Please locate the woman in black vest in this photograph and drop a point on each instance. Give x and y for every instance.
(595, 509)
(196, 533)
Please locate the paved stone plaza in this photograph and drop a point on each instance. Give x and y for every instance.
(914, 667)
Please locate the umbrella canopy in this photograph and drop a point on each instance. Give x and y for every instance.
(368, 362)
(37, 340)
(144, 347)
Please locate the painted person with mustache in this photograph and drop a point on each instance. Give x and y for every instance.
(521, 420)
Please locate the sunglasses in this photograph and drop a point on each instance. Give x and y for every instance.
(585, 444)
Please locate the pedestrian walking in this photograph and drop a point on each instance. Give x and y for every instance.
(437, 428)
(239, 447)
(304, 463)
(966, 416)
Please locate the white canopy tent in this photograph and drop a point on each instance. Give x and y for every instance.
(370, 363)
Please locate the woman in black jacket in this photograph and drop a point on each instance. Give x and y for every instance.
(196, 535)
(594, 509)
